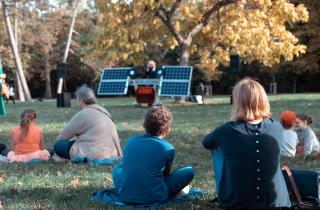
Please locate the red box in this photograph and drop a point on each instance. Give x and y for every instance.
(145, 95)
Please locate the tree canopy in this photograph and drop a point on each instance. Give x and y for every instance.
(253, 29)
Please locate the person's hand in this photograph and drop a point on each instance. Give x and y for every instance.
(3, 76)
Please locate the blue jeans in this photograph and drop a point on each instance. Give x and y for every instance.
(176, 181)
(62, 148)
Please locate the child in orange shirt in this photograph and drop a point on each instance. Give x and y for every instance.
(27, 140)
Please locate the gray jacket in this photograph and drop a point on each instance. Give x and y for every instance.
(94, 133)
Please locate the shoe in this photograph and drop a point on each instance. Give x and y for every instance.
(58, 159)
(184, 191)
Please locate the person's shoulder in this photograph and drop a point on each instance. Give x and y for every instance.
(229, 126)
(226, 126)
(134, 139)
(37, 129)
(272, 123)
(290, 132)
(166, 144)
(16, 130)
(309, 131)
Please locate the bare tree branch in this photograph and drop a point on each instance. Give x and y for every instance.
(174, 8)
(207, 17)
(165, 17)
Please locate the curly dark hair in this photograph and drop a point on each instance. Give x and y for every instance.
(305, 117)
(157, 120)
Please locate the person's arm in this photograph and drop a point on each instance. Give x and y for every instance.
(12, 142)
(210, 141)
(170, 156)
(309, 143)
(41, 145)
(76, 126)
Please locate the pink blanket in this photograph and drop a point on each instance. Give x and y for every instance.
(40, 154)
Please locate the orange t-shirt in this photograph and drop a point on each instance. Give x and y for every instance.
(32, 143)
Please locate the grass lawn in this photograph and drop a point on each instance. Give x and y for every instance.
(69, 186)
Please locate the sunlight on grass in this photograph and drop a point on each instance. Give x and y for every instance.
(68, 186)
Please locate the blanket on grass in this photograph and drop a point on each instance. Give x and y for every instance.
(108, 161)
(110, 196)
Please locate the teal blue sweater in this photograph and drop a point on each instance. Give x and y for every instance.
(146, 161)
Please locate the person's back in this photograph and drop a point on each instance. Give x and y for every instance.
(143, 162)
(246, 163)
(96, 134)
(289, 144)
(28, 145)
(145, 175)
(290, 139)
(246, 153)
(91, 133)
(27, 140)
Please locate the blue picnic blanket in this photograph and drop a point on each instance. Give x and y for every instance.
(110, 196)
(108, 161)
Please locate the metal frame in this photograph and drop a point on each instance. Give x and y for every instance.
(115, 80)
(176, 80)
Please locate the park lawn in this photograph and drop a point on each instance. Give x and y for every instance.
(68, 186)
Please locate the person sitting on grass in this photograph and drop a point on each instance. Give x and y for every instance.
(246, 153)
(145, 176)
(290, 138)
(307, 137)
(27, 140)
(91, 133)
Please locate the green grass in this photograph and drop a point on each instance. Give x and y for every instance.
(68, 186)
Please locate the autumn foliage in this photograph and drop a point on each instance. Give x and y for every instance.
(253, 29)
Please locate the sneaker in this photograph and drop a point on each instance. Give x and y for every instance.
(58, 159)
(184, 191)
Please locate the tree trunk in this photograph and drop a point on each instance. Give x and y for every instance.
(184, 61)
(19, 88)
(294, 88)
(18, 81)
(48, 92)
(66, 52)
(273, 85)
(15, 52)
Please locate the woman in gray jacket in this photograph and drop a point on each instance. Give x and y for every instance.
(91, 133)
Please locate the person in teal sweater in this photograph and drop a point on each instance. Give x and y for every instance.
(145, 176)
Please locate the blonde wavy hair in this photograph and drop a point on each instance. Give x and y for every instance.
(250, 101)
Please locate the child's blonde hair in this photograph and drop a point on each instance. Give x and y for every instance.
(250, 101)
(27, 116)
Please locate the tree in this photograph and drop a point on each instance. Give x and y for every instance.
(214, 29)
(308, 34)
(15, 51)
(253, 29)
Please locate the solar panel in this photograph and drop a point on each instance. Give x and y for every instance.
(175, 88)
(177, 72)
(114, 81)
(176, 81)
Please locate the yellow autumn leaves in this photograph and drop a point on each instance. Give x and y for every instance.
(254, 29)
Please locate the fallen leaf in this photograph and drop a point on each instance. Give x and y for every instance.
(75, 182)
(58, 173)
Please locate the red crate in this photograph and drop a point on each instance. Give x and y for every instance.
(145, 95)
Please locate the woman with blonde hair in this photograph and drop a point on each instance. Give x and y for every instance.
(246, 153)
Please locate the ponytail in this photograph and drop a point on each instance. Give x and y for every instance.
(27, 117)
(305, 117)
